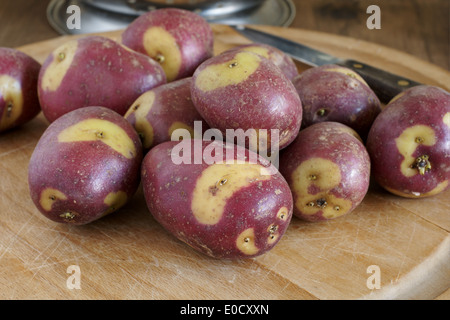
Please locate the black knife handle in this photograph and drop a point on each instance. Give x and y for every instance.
(385, 85)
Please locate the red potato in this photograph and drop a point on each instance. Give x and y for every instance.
(178, 39)
(328, 170)
(409, 143)
(19, 101)
(86, 165)
(94, 71)
(278, 57)
(227, 206)
(157, 113)
(243, 90)
(337, 94)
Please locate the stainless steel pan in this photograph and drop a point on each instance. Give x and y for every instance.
(206, 7)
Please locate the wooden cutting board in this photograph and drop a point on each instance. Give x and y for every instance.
(401, 244)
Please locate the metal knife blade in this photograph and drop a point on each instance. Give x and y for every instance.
(386, 85)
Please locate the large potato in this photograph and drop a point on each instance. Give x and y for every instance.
(337, 94)
(178, 39)
(235, 206)
(157, 113)
(19, 101)
(95, 71)
(243, 90)
(85, 165)
(278, 57)
(328, 170)
(409, 143)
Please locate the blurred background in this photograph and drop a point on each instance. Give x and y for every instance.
(419, 27)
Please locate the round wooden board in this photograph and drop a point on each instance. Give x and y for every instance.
(403, 243)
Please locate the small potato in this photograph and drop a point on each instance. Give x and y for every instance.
(243, 90)
(409, 143)
(278, 57)
(177, 39)
(157, 113)
(19, 101)
(222, 200)
(338, 94)
(95, 71)
(328, 170)
(85, 166)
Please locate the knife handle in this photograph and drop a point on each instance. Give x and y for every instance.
(385, 85)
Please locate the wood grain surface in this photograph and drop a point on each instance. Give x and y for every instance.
(127, 255)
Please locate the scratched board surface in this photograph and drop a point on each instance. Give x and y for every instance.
(389, 247)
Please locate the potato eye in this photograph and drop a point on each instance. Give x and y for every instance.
(160, 58)
(321, 112)
(422, 164)
(67, 215)
(9, 107)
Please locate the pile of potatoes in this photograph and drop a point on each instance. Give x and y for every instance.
(153, 109)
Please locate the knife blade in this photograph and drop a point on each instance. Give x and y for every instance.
(386, 85)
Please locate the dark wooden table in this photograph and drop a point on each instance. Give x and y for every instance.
(419, 27)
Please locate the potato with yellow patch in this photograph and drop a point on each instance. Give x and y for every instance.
(223, 200)
(243, 90)
(179, 40)
(19, 101)
(338, 94)
(283, 61)
(94, 71)
(157, 113)
(409, 143)
(328, 170)
(85, 166)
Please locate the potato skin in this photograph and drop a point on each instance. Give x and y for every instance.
(243, 90)
(328, 170)
(161, 110)
(278, 57)
(179, 39)
(85, 165)
(19, 101)
(337, 94)
(240, 214)
(413, 125)
(94, 71)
